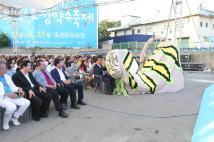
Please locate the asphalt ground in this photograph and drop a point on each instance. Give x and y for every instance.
(168, 117)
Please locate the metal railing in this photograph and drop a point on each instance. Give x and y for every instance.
(195, 47)
(132, 45)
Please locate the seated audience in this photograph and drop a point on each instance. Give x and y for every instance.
(11, 97)
(100, 71)
(40, 99)
(44, 78)
(50, 66)
(61, 78)
(10, 64)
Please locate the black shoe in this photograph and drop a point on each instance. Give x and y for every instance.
(75, 106)
(81, 103)
(44, 115)
(109, 93)
(36, 118)
(64, 106)
(63, 114)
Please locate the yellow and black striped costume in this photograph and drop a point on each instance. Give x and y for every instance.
(162, 71)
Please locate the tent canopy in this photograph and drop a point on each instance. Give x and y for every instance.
(36, 4)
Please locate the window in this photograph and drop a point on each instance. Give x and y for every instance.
(133, 32)
(179, 25)
(206, 25)
(138, 31)
(188, 20)
(201, 24)
(148, 29)
(167, 27)
(206, 39)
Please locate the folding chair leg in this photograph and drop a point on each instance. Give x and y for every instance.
(27, 115)
(2, 110)
(97, 87)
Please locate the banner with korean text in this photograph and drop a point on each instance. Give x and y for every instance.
(71, 24)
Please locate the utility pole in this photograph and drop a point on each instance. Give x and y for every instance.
(178, 8)
(175, 21)
(14, 31)
(180, 13)
(12, 13)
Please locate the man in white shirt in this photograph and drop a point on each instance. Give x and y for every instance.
(60, 77)
(51, 66)
(40, 99)
(10, 98)
(99, 70)
(59, 94)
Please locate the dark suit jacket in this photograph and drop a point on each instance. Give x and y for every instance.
(21, 81)
(97, 70)
(98, 73)
(56, 76)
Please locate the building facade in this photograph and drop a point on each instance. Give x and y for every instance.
(196, 30)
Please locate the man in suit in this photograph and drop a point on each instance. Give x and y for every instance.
(40, 99)
(10, 98)
(44, 79)
(98, 70)
(60, 77)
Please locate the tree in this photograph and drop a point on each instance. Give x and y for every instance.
(4, 40)
(105, 25)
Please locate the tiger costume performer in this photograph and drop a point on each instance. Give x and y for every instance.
(160, 73)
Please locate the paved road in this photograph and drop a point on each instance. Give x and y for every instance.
(138, 118)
